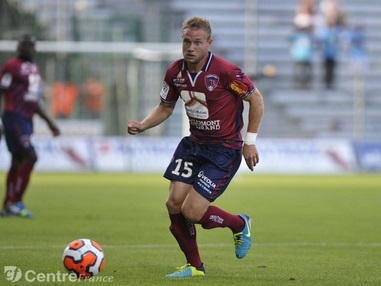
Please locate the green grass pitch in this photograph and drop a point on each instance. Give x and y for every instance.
(308, 230)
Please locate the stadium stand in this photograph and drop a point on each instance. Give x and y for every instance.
(313, 113)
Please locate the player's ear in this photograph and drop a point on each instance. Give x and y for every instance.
(210, 42)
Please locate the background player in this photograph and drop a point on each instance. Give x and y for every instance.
(20, 83)
(205, 162)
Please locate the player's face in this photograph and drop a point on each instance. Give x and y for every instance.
(195, 48)
(27, 50)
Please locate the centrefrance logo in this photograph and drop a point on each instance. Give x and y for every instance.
(15, 274)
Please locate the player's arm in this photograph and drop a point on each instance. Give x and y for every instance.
(49, 121)
(256, 107)
(1, 111)
(1, 129)
(160, 113)
(4, 81)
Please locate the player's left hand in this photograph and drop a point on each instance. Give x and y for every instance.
(54, 129)
(251, 156)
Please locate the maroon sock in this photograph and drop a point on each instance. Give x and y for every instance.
(23, 177)
(185, 233)
(216, 217)
(10, 194)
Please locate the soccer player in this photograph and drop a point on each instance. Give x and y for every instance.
(1, 128)
(19, 84)
(205, 162)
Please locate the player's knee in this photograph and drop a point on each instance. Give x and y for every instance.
(31, 157)
(173, 206)
(193, 215)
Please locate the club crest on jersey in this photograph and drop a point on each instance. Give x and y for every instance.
(27, 68)
(211, 81)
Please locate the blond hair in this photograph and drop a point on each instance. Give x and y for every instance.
(195, 23)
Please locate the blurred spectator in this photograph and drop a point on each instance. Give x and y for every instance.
(333, 12)
(301, 53)
(93, 92)
(305, 14)
(357, 52)
(330, 24)
(328, 38)
(64, 96)
(302, 44)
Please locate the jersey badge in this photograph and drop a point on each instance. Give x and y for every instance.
(211, 81)
(27, 68)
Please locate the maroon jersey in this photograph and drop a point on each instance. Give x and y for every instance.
(20, 81)
(213, 99)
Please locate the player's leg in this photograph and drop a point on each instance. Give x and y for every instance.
(197, 209)
(181, 172)
(212, 180)
(24, 171)
(11, 181)
(184, 231)
(12, 131)
(216, 217)
(17, 181)
(18, 132)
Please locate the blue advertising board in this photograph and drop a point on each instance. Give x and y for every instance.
(368, 156)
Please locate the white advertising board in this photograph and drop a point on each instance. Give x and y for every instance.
(305, 156)
(143, 154)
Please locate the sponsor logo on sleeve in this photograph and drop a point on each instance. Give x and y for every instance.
(164, 90)
(238, 88)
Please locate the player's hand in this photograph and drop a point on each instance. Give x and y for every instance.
(54, 129)
(251, 156)
(134, 127)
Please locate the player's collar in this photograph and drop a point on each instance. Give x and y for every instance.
(25, 59)
(205, 67)
(208, 62)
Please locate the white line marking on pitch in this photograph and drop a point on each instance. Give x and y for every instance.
(269, 244)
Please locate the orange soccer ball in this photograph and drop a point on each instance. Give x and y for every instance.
(83, 257)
